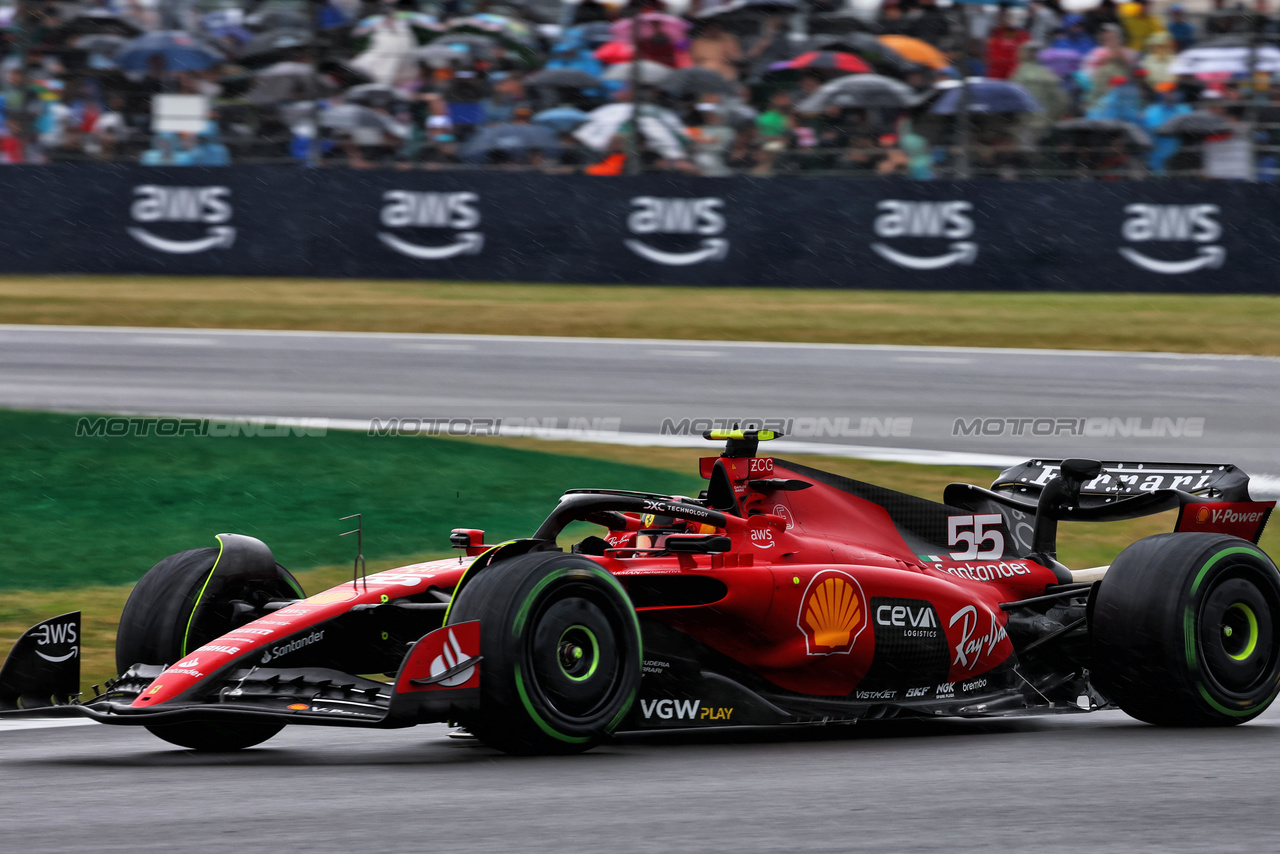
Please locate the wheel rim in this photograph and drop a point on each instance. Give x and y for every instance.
(574, 654)
(579, 653)
(1237, 637)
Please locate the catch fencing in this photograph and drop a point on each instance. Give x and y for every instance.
(649, 229)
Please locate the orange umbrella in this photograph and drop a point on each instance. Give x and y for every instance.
(916, 51)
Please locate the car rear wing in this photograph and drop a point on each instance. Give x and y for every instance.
(1209, 497)
(1216, 482)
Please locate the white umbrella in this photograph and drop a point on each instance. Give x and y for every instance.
(1225, 60)
(651, 73)
(661, 128)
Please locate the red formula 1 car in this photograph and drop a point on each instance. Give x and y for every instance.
(782, 595)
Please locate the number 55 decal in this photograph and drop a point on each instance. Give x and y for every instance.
(971, 531)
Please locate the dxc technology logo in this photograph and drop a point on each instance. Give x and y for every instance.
(208, 205)
(652, 215)
(457, 211)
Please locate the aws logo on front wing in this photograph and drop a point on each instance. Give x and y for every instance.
(431, 226)
(663, 224)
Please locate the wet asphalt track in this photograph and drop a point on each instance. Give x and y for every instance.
(640, 383)
(1073, 784)
(1099, 782)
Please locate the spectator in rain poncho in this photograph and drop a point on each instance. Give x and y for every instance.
(1121, 102)
(1159, 59)
(572, 51)
(1111, 59)
(1073, 36)
(390, 51)
(1045, 87)
(1139, 23)
(1169, 106)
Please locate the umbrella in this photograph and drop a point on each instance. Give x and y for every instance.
(696, 81)
(842, 22)
(563, 78)
(181, 52)
(514, 35)
(882, 58)
(660, 128)
(593, 35)
(288, 81)
(513, 140)
(277, 19)
(824, 60)
(1233, 40)
(917, 51)
(344, 74)
(560, 119)
(1225, 60)
(1107, 129)
(860, 90)
(94, 22)
(377, 95)
(985, 96)
(1196, 124)
(650, 73)
(675, 29)
(615, 52)
(477, 45)
(749, 9)
(424, 28)
(274, 46)
(101, 44)
(441, 55)
(1060, 60)
(354, 117)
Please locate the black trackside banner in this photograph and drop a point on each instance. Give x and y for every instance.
(1188, 237)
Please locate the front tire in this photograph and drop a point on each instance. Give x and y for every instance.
(561, 653)
(1186, 630)
(160, 625)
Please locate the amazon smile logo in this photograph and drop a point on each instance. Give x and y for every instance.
(207, 206)
(651, 215)
(1173, 224)
(457, 211)
(946, 220)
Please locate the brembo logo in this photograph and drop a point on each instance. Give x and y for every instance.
(458, 211)
(945, 220)
(653, 215)
(210, 206)
(1173, 224)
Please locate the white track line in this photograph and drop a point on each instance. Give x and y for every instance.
(43, 723)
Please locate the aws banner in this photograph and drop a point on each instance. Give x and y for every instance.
(654, 229)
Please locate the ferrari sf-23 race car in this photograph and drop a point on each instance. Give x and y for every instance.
(781, 595)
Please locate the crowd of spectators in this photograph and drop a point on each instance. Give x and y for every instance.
(754, 86)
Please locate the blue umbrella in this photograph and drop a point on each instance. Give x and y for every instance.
(181, 52)
(560, 119)
(985, 96)
(513, 140)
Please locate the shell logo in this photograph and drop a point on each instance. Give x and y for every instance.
(1203, 515)
(832, 613)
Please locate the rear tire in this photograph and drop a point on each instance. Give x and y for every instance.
(561, 653)
(156, 627)
(1186, 630)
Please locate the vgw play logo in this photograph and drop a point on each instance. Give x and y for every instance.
(209, 206)
(458, 212)
(651, 215)
(936, 220)
(1173, 224)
